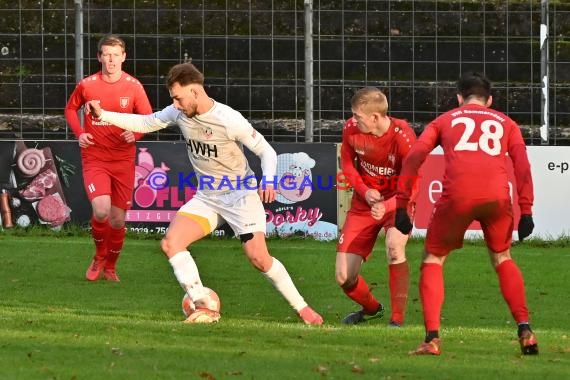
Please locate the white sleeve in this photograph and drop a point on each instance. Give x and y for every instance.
(142, 123)
(243, 132)
(268, 158)
(255, 142)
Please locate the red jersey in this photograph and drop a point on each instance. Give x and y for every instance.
(475, 141)
(370, 161)
(126, 95)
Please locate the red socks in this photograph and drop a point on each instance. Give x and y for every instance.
(116, 240)
(399, 285)
(100, 233)
(108, 242)
(431, 294)
(399, 280)
(360, 293)
(512, 287)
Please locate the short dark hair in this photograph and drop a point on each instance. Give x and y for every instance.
(110, 40)
(473, 83)
(184, 74)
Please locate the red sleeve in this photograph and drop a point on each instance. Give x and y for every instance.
(347, 157)
(405, 142)
(407, 189)
(414, 181)
(142, 107)
(74, 103)
(523, 177)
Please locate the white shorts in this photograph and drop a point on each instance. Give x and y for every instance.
(241, 209)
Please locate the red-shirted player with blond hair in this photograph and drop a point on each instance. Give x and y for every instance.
(373, 148)
(475, 141)
(107, 152)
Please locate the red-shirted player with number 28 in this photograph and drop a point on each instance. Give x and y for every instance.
(475, 141)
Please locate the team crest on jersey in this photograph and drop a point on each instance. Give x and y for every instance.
(207, 131)
(124, 101)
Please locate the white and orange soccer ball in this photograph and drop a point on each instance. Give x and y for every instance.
(209, 314)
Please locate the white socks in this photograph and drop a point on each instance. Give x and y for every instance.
(281, 280)
(186, 273)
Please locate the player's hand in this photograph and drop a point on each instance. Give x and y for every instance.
(93, 107)
(526, 225)
(129, 137)
(266, 193)
(85, 140)
(373, 196)
(378, 210)
(403, 223)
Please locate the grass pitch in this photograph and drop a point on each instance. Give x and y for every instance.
(56, 325)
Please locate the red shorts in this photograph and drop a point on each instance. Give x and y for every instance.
(361, 230)
(451, 218)
(114, 178)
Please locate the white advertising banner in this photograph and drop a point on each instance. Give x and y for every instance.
(550, 167)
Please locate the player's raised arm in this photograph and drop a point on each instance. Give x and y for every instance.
(132, 122)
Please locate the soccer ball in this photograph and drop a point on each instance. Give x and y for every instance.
(188, 306)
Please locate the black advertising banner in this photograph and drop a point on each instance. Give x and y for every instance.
(42, 183)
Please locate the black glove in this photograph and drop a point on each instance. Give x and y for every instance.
(403, 223)
(526, 225)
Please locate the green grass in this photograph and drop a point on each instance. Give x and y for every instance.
(56, 325)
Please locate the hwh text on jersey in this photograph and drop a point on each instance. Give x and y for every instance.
(201, 149)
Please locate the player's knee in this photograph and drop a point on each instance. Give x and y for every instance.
(497, 258)
(100, 214)
(167, 246)
(343, 280)
(101, 208)
(116, 223)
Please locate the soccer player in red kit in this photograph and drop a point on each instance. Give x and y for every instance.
(475, 140)
(373, 148)
(107, 152)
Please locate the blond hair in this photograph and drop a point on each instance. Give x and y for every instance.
(370, 100)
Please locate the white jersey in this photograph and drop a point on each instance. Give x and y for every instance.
(214, 140)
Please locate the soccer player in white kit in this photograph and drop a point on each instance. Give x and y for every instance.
(227, 188)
